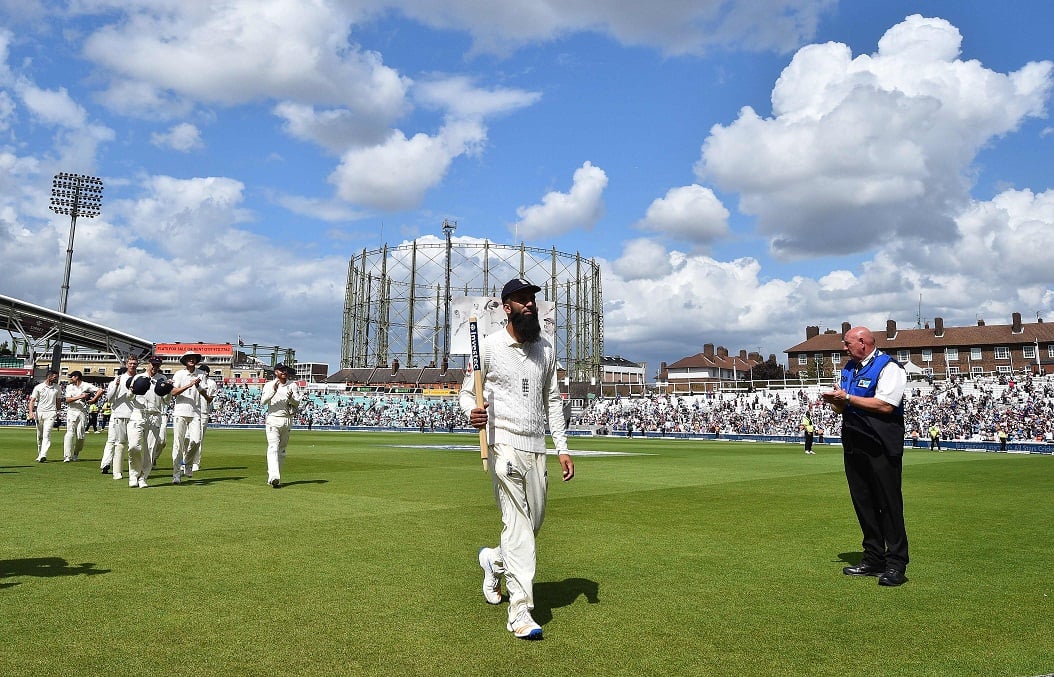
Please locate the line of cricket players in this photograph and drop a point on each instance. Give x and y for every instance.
(136, 434)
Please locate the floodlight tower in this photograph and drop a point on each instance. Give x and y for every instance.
(73, 195)
(448, 230)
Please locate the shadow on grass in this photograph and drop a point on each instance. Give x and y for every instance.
(206, 481)
(45, 567)
(851, 558)
(292, 484)
(549, 596)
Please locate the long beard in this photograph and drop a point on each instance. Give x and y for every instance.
(527, 326)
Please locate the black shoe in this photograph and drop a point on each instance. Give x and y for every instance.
(276, 483)
(106, 470)
(892, 578)
(864, 569)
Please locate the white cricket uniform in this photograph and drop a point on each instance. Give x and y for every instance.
(521, 388)
(120, 398)
(45, 400)
(209, 390)
(144, 433)
(76, 419)
(282, 402)
(186, 421)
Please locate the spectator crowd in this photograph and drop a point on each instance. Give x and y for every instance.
(973, 409)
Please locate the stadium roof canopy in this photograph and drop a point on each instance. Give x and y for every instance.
(38, 325)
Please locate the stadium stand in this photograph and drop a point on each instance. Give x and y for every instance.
(965, 409)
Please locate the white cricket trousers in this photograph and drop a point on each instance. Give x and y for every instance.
(520, 486)
(116, 444)
(186, 436)
(73, 440)
(45, 424)
(143, 437)
(277, 439)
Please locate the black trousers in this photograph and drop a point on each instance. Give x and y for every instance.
(874, 479)
(808, 441)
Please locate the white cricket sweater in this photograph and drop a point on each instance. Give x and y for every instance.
(282, 402)
(521, 387)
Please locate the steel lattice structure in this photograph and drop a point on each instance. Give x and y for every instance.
(397, 300)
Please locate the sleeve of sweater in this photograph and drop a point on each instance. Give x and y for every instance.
(554, 405)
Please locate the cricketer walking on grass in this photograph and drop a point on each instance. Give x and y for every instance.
(282, 398)
(521, 394)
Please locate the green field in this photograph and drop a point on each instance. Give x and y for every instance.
(685, 558)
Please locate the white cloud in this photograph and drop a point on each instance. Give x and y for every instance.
(695, 300)
(673, 27)
(52, 106)
(689, 213)
(643, 259)
(559, 213)
(237, 51)
(182, 137)
(463, 99)
(335, 129)
(862, 150)
(396, 174)
(324, 210)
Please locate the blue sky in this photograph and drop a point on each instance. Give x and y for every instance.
(739, 169)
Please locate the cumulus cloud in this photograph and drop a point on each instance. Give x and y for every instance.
(325, 210)
(335, 129)
(182, 137)
(238, 51)
(152, 264)
(462, 98)
(859, 150)
(559, 213)
(397, 173)
(689, 213)
(672, 27)
(697, 299)
(643, 259)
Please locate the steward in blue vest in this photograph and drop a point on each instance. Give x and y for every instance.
(881, 430)
(873, 440)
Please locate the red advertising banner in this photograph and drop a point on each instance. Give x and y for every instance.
(210, 349)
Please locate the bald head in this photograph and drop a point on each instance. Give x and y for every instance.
(859, 342)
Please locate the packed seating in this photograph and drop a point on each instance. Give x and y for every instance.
(963, 409)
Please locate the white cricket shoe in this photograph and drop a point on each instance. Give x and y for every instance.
(491, 580)
(195, 468)
(142, 483)
(524, 627)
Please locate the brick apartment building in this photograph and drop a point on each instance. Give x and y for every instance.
(707, 371)
(940, 351)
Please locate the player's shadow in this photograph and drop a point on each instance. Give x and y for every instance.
(549, 596)
(45, 567)
(292, 484)
(851, 558)
(10, 468)
(207, 481)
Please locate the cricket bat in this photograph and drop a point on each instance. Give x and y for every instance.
(477, 380)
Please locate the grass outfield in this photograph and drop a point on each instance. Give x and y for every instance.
(700, 558)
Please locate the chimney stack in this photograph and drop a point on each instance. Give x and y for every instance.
(1017, 323)
(811, 332)
(708, 349)
(938, 327)
(891, 329)
(845, 328)
(395, 366)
